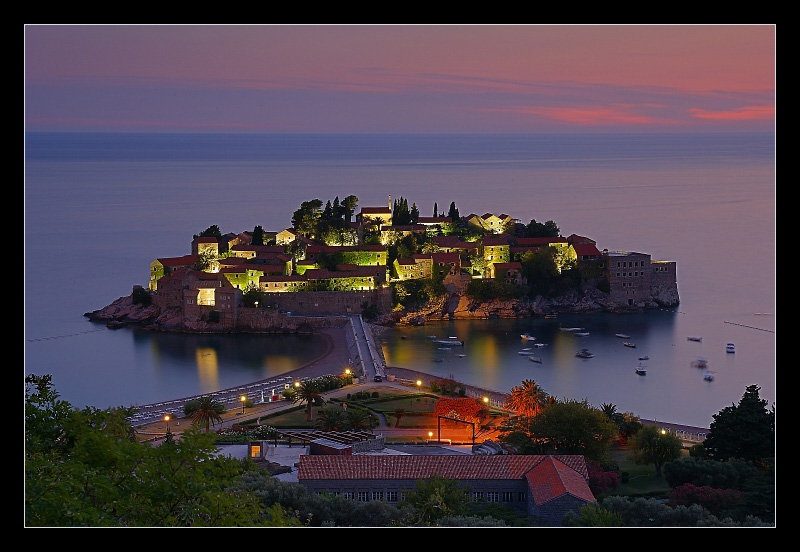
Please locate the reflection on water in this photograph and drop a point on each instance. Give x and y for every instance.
(672, 390)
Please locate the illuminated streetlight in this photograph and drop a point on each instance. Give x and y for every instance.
(166, 419)
(242, 398)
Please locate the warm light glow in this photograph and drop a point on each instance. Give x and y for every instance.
(297, 384)
(419, 382)
(242, 398)
(486, 399)
(166, 418)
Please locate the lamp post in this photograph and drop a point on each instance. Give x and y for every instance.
(242, 398)
(166, 419)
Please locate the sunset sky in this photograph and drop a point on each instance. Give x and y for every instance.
(400, 79)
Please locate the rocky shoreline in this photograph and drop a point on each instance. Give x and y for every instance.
(454, 306)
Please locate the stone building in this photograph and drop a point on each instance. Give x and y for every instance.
(634, 279)
(544, 486)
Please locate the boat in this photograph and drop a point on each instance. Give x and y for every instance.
(708, 376)
(644, 357)
(527, 337)
(582, 333)
(629, 344)
(572, 329)
(538, 345)
(623, 336)
(445, 349)
(641, 370)
(525, 352)
(535, 359)
(451, 341)
(461, 355)
(584, 353)
(729, 348)
(701, 362)
(693, 338)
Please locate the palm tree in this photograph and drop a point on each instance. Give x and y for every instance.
(208, 411)
(308, 392)
(398, 413)
(330, 420)
(358, 419)
(527, 399)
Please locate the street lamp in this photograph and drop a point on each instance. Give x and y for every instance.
(166, 419)
(242, 398)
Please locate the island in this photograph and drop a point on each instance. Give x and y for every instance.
(391, 265)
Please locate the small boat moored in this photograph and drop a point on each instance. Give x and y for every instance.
(623, 336)
(729, 348)
(701, 362)
(694, 338)
(629, 344)
(584, 353)
(644, 357)
(527, 337)
(535, 359)
(641, 370)
(708, 376)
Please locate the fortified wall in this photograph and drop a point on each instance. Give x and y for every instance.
(330, 303)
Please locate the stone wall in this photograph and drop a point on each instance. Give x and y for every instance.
(329, 303)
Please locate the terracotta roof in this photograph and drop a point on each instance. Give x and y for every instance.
(508, 265)
(586, 249)
(552, 478)
(179, 261)
(463, 467)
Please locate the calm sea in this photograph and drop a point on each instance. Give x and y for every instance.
(100, 207)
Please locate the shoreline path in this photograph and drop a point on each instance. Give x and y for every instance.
(339, 354)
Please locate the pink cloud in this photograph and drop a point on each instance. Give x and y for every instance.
(591, 116)
(748, 113)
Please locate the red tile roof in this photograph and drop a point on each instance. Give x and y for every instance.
(552, 478)
(463, 467)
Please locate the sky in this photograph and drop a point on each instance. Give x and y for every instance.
(400, 78)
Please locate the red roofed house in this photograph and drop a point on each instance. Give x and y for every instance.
(544, 486)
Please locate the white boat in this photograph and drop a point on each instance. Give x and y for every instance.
(641, 370)
(623, 336)
(527, 337)
(708, 376)
(730, 348)
(584, 353)
(693, 338)
(582, 333)
(535, 359)
(537, 345)
(525, 352)
(644, 357)
(629, 344)
(571, 329)
(451, 341)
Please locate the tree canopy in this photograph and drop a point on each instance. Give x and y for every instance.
(746, 430)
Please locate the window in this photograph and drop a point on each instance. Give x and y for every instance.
(508, 496)
(377, 495)
(391, 496)
(493, 496)
(362, 496)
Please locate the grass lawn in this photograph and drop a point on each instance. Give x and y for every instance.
(642, 479)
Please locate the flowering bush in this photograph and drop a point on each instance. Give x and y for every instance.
(713, 500)
(601, 481)
(463, 409)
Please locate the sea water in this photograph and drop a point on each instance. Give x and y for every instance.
(100, 207)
